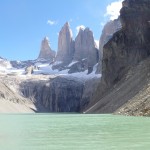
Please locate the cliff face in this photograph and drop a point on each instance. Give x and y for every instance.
(82, 52)
(65, 45)
(59, 94)
(54, 95)
(46, 52)
(124, 50)
(129, 45)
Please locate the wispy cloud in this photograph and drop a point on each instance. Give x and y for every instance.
(79, 27)
(51, 22)
(113, 9)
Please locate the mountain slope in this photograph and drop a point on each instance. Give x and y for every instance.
(10, 98)
(130, 95)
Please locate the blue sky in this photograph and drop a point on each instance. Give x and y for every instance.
(24, 23)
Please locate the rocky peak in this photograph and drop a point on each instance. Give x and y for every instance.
(85, 47)
(46, 52)
(65, 45)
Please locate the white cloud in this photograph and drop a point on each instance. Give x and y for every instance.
(113, 9)
(97, 43)
(51, 22)
(79, 27)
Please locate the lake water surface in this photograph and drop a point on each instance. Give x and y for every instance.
(73, 132)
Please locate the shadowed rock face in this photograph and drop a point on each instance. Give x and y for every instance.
(46, 52)
(65, 45)
(85, 47)
(59, 94)
(125, 49)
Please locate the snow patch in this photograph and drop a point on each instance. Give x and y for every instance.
(72, 63)
(97, 44)
(57, 63)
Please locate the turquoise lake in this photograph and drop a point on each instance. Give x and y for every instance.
(73, 132)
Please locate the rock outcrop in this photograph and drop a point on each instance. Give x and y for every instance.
(85, 47)
(78, 66)
(109, 29)
(46, 52)
(65, 45)
(125, 49)
(29, 70)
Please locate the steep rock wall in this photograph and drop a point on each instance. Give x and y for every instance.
(55, 95)
(125, 49)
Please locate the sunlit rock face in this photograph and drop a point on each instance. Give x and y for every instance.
(85, 47)
(83, 50)
(46, 52)
(65, 45)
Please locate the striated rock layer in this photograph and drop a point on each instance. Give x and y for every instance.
(59, 94)
(125, 49)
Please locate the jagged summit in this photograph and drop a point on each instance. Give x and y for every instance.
(78, 54)
(46, 38)
(67, 24)
(85, 47)
(46, 52)
(87, 29)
